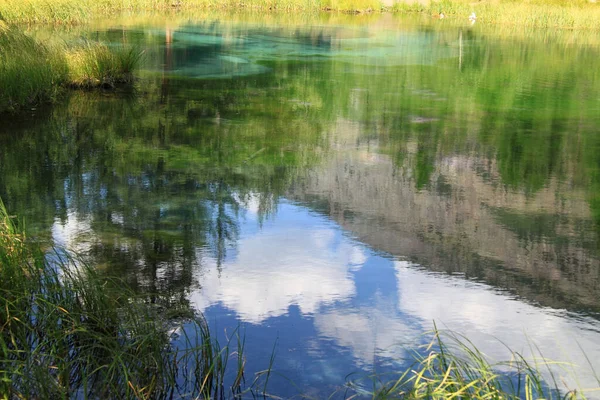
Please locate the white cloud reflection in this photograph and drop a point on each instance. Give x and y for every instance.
(369, 332)
(73, 233)
(290, 264)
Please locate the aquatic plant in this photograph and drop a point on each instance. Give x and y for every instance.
(68, 332)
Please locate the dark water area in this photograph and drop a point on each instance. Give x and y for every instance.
(333, 188)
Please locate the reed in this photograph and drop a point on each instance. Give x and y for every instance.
(67, 332)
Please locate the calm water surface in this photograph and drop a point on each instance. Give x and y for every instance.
(334, 187)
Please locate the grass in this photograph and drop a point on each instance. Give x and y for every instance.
(32, 72)
(577, 14)
(95, 64)
(66, 332)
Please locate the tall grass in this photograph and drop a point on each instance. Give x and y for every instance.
(95, 64)
(32, 72)
(66, 332)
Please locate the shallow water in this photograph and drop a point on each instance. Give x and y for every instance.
(332, 188)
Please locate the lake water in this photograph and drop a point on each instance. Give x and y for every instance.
(334, 185)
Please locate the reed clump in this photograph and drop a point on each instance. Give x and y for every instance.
(32, 72)
(67, 332)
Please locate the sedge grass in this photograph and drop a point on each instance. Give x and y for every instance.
(66, 332)
(32, 72)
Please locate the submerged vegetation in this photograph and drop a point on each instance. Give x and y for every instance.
(580, 14)
(32, 72)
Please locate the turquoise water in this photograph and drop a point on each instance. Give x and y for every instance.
(332, 189)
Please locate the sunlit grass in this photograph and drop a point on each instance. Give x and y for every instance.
(95, 64)
(32, 72)
(580, 14)
(538, 14)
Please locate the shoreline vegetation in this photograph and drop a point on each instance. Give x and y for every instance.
(69, 332)
(33, 72)
(563, 14)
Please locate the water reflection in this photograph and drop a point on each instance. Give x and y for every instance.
(341, 189)
(290, 262)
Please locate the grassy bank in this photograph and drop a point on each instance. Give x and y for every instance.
(32, 72)
(579, 14)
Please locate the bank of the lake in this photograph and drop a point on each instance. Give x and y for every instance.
(33, 72)
(562, 14)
